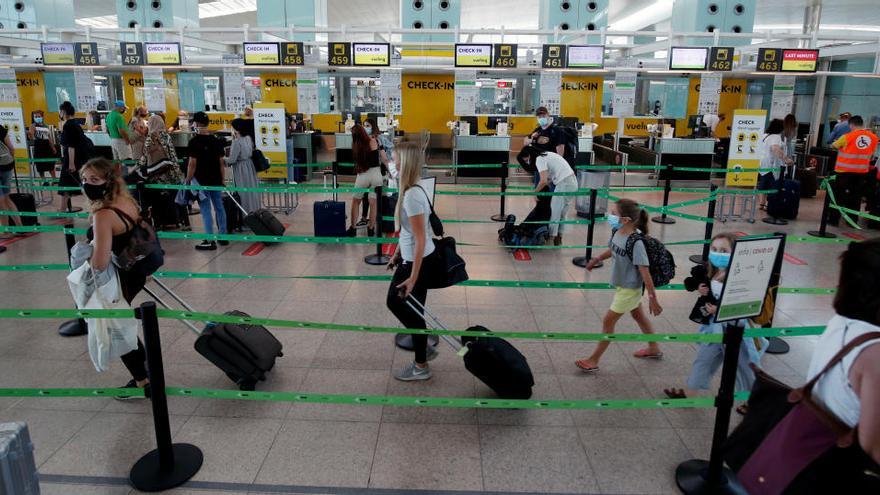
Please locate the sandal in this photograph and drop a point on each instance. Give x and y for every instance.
(675, 393)
(581, 364)
(648, 354)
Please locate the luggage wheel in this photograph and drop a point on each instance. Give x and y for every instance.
(247, 387)
(280, 354)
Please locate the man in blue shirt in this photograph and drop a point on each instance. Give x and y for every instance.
(841, 129)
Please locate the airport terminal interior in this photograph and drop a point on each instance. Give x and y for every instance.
(219, 264)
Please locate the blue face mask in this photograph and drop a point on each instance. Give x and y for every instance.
(613, 221)
(368, 130)
(38, 120)
(543, 121)
(719, 260)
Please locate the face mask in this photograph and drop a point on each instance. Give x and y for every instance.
(543, 121)
(719, 260)
(613, 221)
(38, 120)
(95, 192)
(368, 130)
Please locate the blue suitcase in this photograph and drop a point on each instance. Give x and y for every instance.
(329, 216)
(785, 203)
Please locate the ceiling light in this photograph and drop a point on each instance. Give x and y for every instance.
(645, 16)
(101, 21)
(822, 27)
(220, 8)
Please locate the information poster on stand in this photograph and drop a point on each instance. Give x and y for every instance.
(625, 93)
(11, 118)
(271, 137)
(154, 89)
(748, 278)
(551, 91)
(84, 82)
(782, 101)
(233, 84)
(710, 93)
(392, 91)
(744, 152)
(8, 86)
(466, 92)
(307, 91)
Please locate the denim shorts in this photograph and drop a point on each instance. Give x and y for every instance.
(5, 183)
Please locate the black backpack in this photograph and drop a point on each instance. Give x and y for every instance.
(568, 136)
(661, 262)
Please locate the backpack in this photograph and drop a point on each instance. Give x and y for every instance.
(660, 260)
(143, 255)
(86, 149)
(568, 136)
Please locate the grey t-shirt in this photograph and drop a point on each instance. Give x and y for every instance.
(625, 272)
(415, 202)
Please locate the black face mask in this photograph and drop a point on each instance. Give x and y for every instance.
(95, 192)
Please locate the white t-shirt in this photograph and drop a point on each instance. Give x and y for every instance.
(833, 390)
(556, 167)
(768, 159)
(415, 202)
(711, 120)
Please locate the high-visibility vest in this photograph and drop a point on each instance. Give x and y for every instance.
(855, 157)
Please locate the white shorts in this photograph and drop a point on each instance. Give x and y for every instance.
(121, 149)
(372, 179)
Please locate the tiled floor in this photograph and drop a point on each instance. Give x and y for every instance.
(88, 445)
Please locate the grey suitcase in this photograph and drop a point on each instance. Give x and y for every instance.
(18, 471)
(591, 180)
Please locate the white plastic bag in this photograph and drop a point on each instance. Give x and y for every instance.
(109, 338)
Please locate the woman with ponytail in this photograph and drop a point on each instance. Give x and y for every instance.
(630, 276)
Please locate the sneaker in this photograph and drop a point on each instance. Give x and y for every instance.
(557, 241)
(351, 232)
(412, 373)
(133, 385)
(223, 243)
(362, 222)
(206, 246)
(431, 353)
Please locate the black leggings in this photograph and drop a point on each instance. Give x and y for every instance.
(134, 362)
(398, 306)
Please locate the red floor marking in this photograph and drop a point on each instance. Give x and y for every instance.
(258, 247)
(522, 255)
(740, 234)
(854, 236)
(793, 260)
(388, 249)
(4, 243)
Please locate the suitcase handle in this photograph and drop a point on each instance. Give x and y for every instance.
(236, 202)
(166, 306)
(432, 321)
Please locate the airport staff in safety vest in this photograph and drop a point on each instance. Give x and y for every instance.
(854, 152)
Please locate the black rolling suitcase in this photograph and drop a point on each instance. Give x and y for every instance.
(25, 202)
(329, 215)
(261, 222)
(495, 361)
(389, 205)
(244, 352)
(808, 181)
(786, 202)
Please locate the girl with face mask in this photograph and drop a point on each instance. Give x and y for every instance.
(631, 278)
(710, 357)
(44, 145)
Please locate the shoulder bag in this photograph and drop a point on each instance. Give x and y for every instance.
(790, 444)
(451, 264)
(143, 255)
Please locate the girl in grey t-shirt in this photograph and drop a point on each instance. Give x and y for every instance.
(630, 277)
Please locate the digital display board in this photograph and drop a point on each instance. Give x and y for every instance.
(505, 55)
(688, 58)
(261, 54)
(473, 55)
(338, 53)
(585, 57)
(162, 53)
(58, 53)
(553, 56)
(721, 58)
(799, 60)
(371, 54)
(292, 53)
(132, 53)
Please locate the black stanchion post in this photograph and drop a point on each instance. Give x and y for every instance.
(378, 258)
(699, 477)
(776, 345)
(77, 327)
(710, 226)
(582, 261)
(823, 224)
(502, 216)
(667, 188)
(169, 465)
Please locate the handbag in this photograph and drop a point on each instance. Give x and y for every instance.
(789, 444)
(450, 264)
(143, 254)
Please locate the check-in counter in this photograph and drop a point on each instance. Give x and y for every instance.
(585, 151)
(101, 140)
(685, 152)
(480, 149)
(343, 152)
(301, 150)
